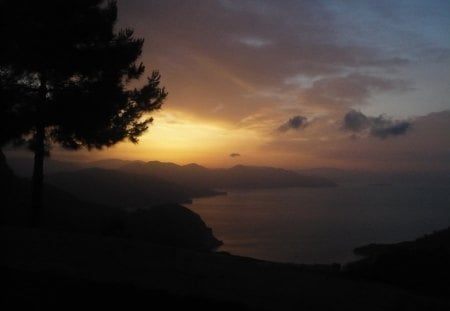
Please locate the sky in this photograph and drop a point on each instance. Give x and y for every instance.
(296, 84)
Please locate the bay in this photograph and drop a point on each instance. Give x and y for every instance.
(322, 225)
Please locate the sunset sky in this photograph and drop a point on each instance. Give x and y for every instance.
(296, 84)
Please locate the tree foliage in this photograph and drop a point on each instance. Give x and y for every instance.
(67, 77)
(65, 67)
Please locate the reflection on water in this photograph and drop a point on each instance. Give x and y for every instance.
(322, 225)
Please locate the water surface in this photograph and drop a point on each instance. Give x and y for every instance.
(322, 225)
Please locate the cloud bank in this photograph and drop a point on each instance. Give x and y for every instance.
(380, 127)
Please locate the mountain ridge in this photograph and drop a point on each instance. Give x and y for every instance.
(238, 176)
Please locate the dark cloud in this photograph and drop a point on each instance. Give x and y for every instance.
(235, 155)
(356, 121)
(381, 126)
(391, 129)
(294, 123)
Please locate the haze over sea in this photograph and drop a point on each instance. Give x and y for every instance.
(322, 225)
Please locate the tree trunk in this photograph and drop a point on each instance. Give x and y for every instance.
(6, 177)
(38, 177)
(5, 171)
(39, 154)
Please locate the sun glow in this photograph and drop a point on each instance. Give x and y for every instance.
(182, 138)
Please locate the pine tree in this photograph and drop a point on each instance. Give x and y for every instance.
(65, 76)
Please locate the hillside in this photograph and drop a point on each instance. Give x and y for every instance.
(236, 177)
(89, 254)
(124, 190)
(169, 224)
(76, 266)
(141, 184)
(422, 265)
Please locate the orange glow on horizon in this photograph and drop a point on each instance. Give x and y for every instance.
(180, 138)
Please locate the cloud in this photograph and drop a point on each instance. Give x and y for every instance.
(425, 147)
(235, 155)
(380, 127)
(233, 50)
(355, 121)
(398, 128)
(268, 61)
(294, 123)
(349, 90)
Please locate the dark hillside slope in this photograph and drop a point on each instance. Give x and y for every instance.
(237, 281)
(422, 265)
(123, 190)
(236, 177)
(171, 224)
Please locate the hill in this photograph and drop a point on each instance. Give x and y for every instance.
(191, 175)
(124, 190)
(239, 176)
(89, 254)
(62, 270)
(169, 224)
(422, 265)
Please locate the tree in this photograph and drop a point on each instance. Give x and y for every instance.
(65, 75)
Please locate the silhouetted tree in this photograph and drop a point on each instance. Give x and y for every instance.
(65, 74)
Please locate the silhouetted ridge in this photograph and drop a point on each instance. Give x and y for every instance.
(239, 176)
(110, 164)
(196, 178)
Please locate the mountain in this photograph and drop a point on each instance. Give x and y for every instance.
(109, 164)
(23, 167)
(169, 224)
(268, 177)
(239, 176)
(196, 178)
(124, 190)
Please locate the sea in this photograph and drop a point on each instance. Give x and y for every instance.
(322, 225)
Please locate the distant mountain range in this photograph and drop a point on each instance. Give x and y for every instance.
(193, 174)
(236, 177)
(137, 184)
